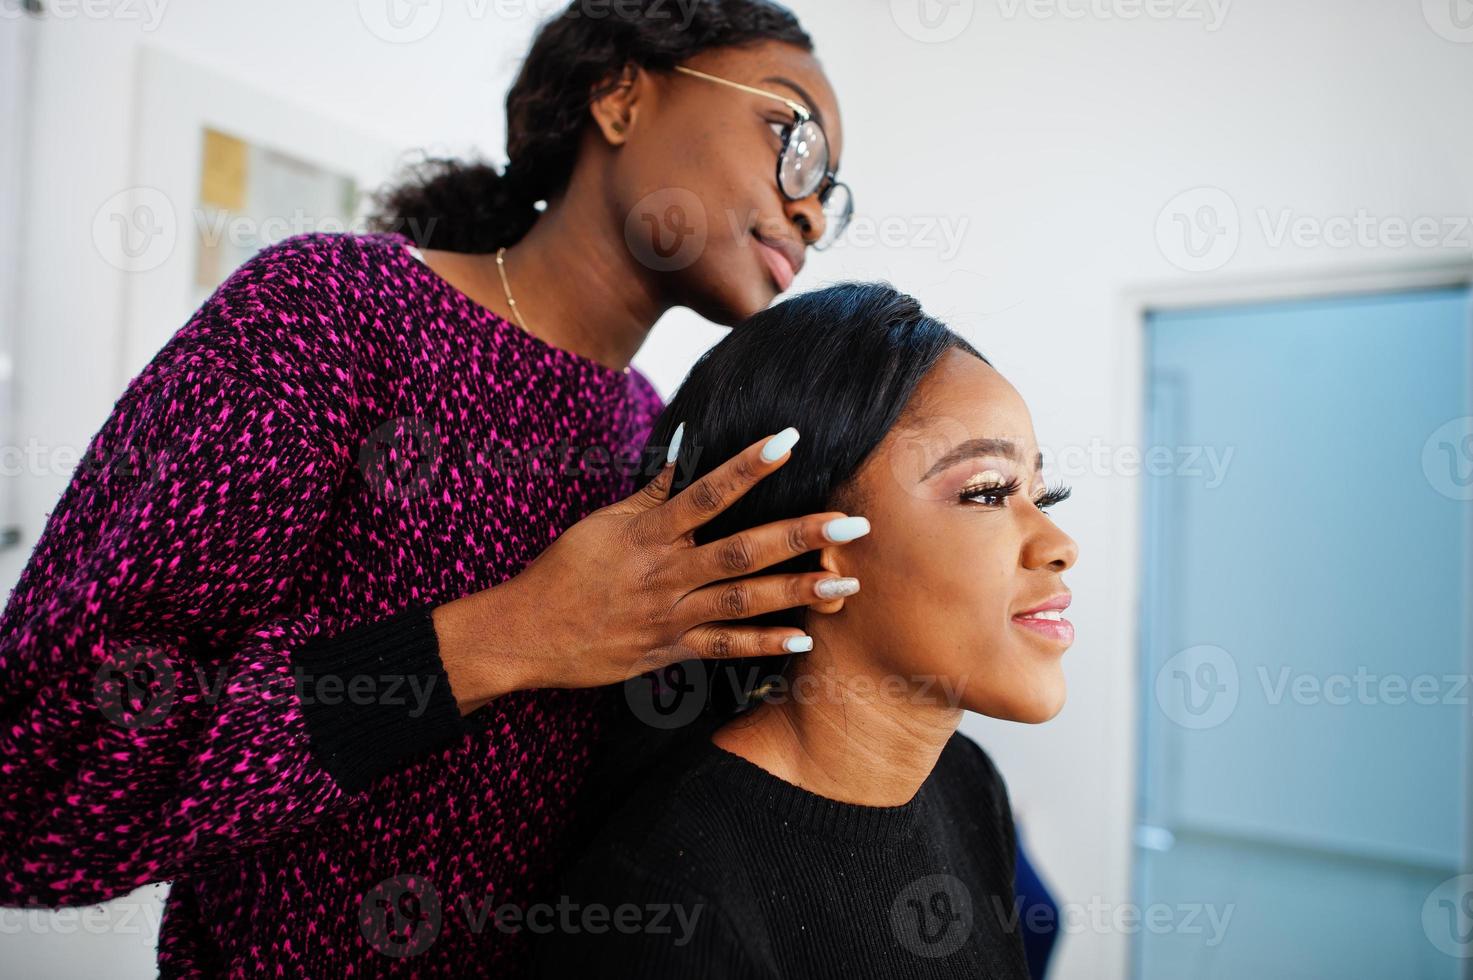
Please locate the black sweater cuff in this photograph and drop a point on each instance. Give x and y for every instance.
(376, 696)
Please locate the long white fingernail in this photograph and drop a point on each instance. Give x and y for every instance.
(798, 644)
(779, 444)
(837, 588)
(674, 449)
(846, 528)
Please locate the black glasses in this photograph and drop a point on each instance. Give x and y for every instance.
(803, 165)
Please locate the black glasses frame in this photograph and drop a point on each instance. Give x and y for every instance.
(835, 224)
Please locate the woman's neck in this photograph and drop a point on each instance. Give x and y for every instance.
(856, 737)
(576, 287)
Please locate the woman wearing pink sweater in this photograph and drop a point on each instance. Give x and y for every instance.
(284, 642)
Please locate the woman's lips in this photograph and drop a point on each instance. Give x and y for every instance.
(1048, 619)
(782, 270)
(1060, 630)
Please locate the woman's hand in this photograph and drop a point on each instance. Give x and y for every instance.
(626, 590)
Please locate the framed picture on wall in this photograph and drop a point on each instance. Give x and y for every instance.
(223, 168)
(251, 196)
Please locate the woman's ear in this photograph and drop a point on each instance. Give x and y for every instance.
(828, 559)
(614, 110)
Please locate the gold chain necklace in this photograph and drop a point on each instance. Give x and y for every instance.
(506, 287)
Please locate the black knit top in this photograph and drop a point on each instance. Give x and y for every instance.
(716, 868)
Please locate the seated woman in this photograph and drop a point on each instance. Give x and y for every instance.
(828, 820)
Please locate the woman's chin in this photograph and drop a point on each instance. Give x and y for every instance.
(1031, 707)
(728, 303)
(1050, 711)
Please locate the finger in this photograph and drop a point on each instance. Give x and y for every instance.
(725, 485)
(724, 641)
(762, 547)
(763, 594)
(657, 491)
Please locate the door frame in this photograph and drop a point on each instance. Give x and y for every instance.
(1134, 305)
(17, 70)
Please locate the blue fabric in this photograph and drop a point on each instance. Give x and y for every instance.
(1038, 913)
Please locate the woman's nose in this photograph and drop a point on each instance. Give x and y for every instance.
(807, 214)
(1049, 547)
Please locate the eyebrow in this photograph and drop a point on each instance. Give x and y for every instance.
(980, 447)
(808, 100)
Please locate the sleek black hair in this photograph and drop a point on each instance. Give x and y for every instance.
(575, 58)
(840, 364)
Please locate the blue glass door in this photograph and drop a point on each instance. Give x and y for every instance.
(1305, 641)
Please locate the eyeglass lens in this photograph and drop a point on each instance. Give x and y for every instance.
(838, 208)
(805, 160)
(801, 171)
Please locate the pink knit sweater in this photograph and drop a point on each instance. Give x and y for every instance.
(218, 668)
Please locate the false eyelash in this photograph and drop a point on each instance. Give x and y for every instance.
(992, 490)
(1056, 494)
(1053, 495)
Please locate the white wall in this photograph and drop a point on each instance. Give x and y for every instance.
(1051, 134)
